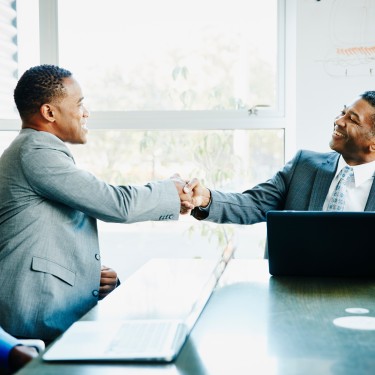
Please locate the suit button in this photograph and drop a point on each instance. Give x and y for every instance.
(97, 256)
(95, 293)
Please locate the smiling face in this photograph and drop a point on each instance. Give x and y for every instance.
(70, 114)
(354, 133)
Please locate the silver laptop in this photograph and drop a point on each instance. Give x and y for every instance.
(136, 339)
(319, 243)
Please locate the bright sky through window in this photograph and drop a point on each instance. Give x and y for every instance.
(171, 55)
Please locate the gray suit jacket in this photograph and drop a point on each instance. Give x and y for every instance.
(49, 250)
(302, 185)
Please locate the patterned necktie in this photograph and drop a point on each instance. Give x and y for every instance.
(337, 201)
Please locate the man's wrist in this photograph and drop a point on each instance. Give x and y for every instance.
(20, 355)
(206, 201)
(7, 343)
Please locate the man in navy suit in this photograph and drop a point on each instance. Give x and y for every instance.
(307, 181)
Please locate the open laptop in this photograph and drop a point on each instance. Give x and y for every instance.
(319, 243)
(137, 339)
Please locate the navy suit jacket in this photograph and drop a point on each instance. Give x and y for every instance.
(302, 185)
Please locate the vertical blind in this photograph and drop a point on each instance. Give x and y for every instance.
(8, 56)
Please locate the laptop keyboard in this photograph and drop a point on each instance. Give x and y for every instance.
(135, 337)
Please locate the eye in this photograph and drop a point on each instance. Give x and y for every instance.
(354, 120)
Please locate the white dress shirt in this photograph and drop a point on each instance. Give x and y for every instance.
(357, 195)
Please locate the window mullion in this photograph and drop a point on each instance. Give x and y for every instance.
(48, 23)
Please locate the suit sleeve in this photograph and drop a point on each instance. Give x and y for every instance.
(7, 343)
(251, 206)
(53, 175)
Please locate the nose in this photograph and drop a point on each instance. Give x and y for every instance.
(86, 112)
(339, 120)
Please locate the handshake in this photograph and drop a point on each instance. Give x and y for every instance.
(192, 193)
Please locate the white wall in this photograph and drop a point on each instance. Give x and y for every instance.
(328, 78)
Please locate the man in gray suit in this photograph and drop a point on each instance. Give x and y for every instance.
(308, 181)
(49, 250)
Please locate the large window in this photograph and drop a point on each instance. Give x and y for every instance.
(172, 54)
(191, 87)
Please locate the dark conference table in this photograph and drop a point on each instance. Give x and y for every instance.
(253, 324)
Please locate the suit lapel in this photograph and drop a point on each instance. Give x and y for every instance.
(370, 205)
(322, 182)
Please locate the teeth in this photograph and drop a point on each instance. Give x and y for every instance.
(338, 134)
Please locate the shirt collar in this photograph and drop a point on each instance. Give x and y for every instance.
(362, 172)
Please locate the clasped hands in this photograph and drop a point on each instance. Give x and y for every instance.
(192, 193)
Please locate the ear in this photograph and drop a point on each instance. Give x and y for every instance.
(372, 144)
(47, 112)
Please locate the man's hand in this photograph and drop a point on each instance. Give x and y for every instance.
(192, 193)
(108, 281)
(201, 195)
(186, 198)
(20, 355)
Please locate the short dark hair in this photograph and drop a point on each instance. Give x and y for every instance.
(37, 86)
(369, 96)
